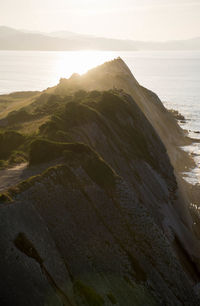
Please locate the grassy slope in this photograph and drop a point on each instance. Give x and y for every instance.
(15, 101)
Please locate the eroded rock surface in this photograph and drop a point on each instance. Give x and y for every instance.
(107, 223)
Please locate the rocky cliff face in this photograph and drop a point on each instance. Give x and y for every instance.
(116, 74)
(106, 223)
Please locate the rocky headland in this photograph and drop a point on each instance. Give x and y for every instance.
(98, 213)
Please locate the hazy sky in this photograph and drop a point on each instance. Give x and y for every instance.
(134, 19)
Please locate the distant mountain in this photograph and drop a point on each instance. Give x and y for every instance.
(12, 39)
(188, 44)
(7, 32)
(68, 34)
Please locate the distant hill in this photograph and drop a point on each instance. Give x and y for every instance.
(12, 39)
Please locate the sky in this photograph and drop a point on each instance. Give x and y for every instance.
(158, 20)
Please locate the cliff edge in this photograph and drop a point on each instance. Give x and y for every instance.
(101, 218)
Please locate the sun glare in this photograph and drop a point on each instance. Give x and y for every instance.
(81, 61)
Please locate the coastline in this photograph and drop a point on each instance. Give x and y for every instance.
(192, 148)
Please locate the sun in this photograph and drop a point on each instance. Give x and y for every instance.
(80, 61)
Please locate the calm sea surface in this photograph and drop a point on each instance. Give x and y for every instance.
(173, 75)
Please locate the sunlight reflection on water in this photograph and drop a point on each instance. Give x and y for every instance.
(81, 61)
(37, 70)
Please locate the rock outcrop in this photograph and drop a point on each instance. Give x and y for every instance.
(107, 223)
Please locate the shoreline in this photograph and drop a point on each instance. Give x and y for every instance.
(191, 175)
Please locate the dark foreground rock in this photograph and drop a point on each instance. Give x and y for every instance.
(107, 223)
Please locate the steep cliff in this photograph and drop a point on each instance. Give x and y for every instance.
(103, 221)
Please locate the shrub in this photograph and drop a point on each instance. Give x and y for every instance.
(112, 298)
(80, 94)
(5, 198)
(27, 247)
(94, 94)
(3, 163)
(100, 172)
(9, 141)
(17, 157)
(19, 116)
(43, 150)
(88, 293)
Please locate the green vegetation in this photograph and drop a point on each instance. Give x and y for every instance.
(116, 106)
(91, 297)
(86, 108)
(26, 246)
(10, 141)
(58, 173)
(24, 185)
(43, 150)
(73, 115)
(15, 101)
(99, 171)
(112, 298)
(76, 111)
(28, 109)
(111, 103)
(68, 115)
(17, 157)
(23, 94)
(18, 117)
(79, 95)
(3, 164)
(14, 148)
(5, 198)
(47, 104)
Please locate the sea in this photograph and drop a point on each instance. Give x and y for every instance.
(173, 75)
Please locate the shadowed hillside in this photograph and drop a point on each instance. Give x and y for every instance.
(100, 217)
